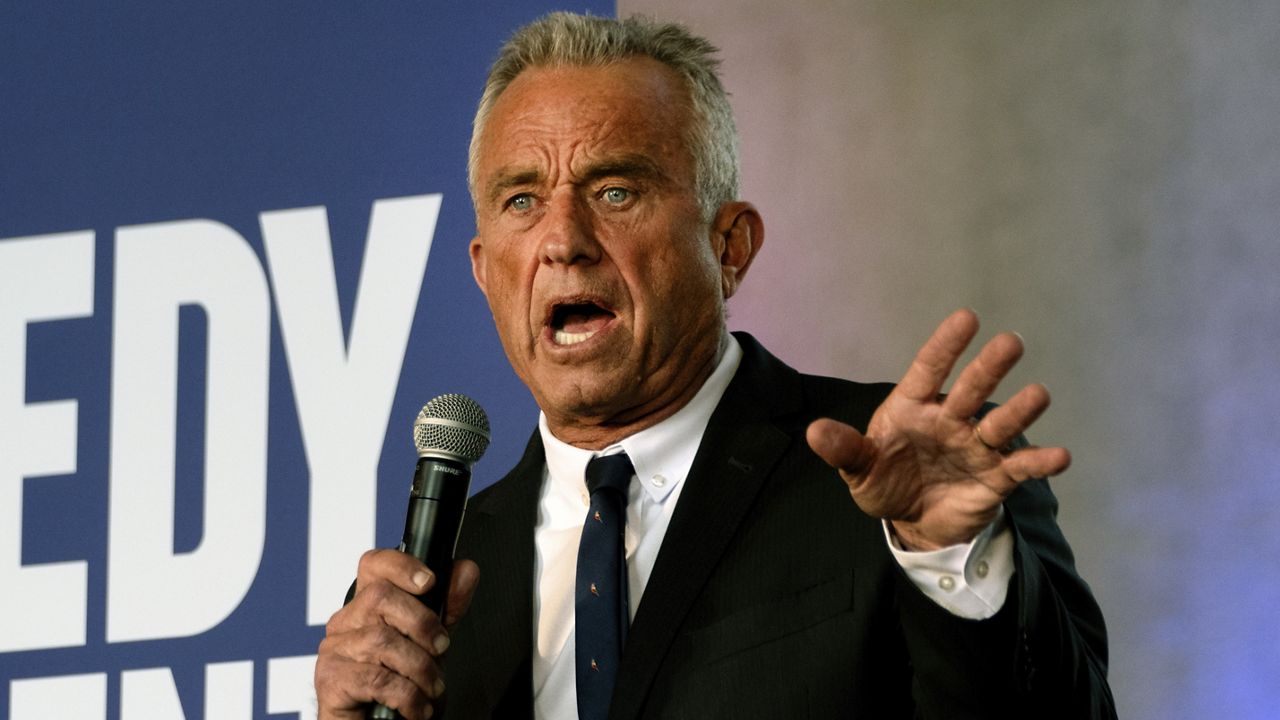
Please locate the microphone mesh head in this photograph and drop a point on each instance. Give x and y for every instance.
(453, 425)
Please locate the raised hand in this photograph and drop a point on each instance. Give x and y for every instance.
(385, 645)
(924, 464)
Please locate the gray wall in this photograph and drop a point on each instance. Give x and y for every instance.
(1102, 177)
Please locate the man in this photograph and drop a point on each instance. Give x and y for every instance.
(609, 236)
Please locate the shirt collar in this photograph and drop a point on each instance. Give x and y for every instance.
(662, 454)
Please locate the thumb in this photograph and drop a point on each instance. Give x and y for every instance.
(840, 445)
(462, 587)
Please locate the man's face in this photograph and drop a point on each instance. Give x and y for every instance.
(606, 284)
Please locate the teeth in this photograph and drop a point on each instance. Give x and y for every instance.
(568, 338)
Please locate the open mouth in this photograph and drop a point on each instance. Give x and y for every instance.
(576, 322)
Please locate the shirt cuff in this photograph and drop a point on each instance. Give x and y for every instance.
(969, 580)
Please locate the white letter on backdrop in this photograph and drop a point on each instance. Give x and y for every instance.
(83, 697)
(151, 694)
(42, 278)
(153, 592)
(344, 389)
(291, 686)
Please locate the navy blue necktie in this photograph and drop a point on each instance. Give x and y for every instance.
(600, 596)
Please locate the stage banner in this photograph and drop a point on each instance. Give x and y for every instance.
(233, 267)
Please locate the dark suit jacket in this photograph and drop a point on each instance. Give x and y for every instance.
(774, 596)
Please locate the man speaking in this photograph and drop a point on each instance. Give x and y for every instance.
(696, 530)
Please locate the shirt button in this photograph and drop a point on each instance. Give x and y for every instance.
(659, 480)
(982, 568)
(947, 583)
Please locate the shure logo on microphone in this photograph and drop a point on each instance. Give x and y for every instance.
(446, 469)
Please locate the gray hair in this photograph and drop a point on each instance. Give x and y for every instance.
(560, 39)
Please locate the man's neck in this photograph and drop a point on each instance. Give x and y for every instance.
(590, 434)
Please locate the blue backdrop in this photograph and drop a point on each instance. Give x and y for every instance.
(196, 413)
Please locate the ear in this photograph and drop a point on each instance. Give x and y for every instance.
(476, 250)
(737, 235)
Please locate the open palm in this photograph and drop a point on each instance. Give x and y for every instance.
(925, 463)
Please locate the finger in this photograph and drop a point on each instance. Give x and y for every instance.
(840, 446)
(400, 569)
(382, 645)
(382, 603)
(981, 377)
(932, 364)
(998, 427)
(344, 687)
(462, 587)
(1034, 462)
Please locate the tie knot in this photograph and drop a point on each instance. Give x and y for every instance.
(612, 472)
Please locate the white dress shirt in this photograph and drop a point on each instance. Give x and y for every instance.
(969, 580)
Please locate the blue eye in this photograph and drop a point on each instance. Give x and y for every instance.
(521, 202)
(616, 195)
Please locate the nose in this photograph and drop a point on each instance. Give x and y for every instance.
(568, 237)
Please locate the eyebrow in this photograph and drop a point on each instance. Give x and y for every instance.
(509, 178)
(628, 165)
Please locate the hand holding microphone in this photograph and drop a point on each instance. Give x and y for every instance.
(385, 645)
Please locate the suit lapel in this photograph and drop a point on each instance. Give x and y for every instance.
(501, 527)
(738, 451)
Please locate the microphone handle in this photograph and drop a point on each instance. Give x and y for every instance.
(437, 502)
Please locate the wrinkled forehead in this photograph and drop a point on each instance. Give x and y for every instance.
(638, 107)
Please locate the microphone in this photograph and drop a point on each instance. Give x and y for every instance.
(451, 433)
